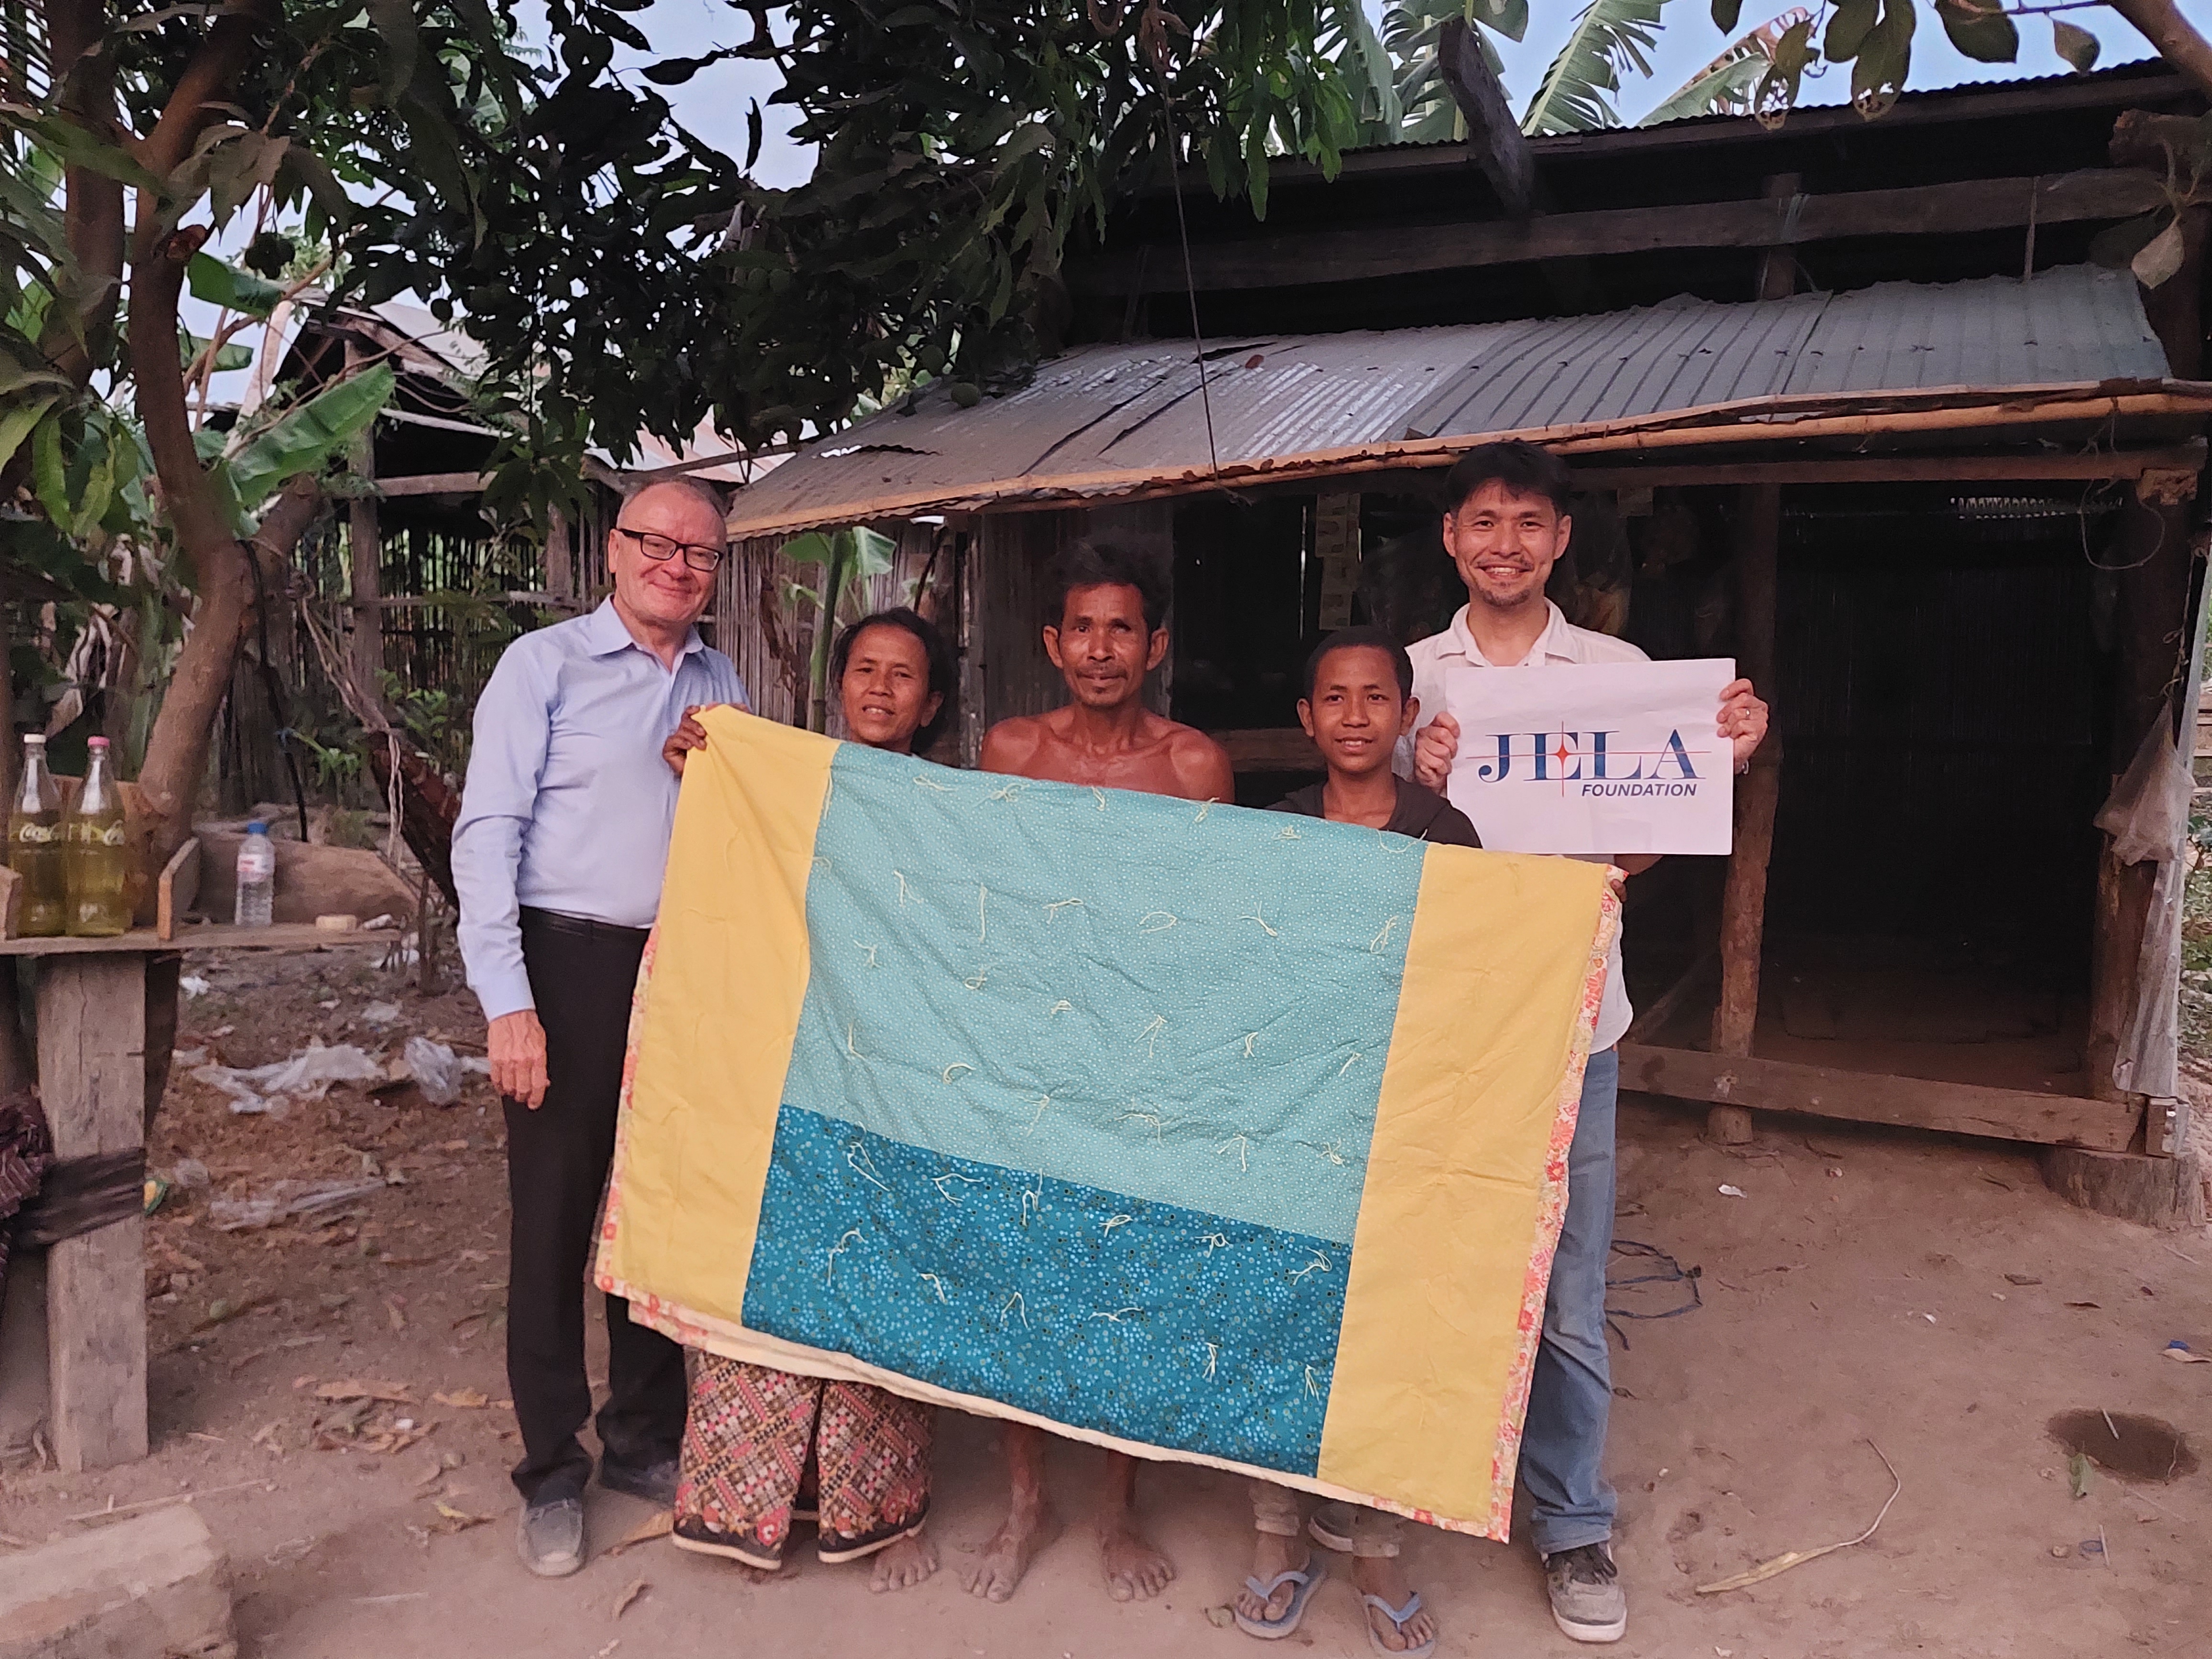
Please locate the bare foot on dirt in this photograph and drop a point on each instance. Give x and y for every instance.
(1030, 1526)
(1135, 1571)
(1272, 1554)
(904, 1564)
(1381, 1575)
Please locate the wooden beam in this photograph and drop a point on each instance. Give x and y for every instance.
(1376, 251)
(2023, 468)
(1495, 143)
(1965, 1108)
(435, 483)
(92, 1080)
(1270, 748)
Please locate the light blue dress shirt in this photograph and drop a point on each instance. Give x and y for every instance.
(569, 805)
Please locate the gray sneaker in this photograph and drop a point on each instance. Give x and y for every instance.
(549, 1537)
(1587, 1601)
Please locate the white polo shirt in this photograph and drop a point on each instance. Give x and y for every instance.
(1561, 641)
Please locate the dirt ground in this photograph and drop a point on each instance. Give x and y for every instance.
(1925, 1296)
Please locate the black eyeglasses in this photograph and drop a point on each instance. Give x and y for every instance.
(661, 549)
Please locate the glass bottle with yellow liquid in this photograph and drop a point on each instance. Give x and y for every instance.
(98, 862)
(35, 846)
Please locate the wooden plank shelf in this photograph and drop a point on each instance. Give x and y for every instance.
(204, 936)
(1965, 1109)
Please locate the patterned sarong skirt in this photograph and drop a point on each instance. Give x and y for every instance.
(746, 1452)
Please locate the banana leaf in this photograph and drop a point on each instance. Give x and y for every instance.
(1577, 90)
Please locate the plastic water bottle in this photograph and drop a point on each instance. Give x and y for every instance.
(256, 876)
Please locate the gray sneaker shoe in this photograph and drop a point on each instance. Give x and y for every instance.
(549, 1537)
(1587, 1601)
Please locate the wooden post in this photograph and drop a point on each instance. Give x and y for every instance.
(92, 1080)
(561, 564)
(365, 538)
(1743, 903)
(2151, 561)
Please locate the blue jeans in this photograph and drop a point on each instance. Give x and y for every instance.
(1570, 1502)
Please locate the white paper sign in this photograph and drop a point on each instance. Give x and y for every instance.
(1594, 757)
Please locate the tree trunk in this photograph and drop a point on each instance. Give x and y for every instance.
(80, 333)
(2160, 22)
(177, 751)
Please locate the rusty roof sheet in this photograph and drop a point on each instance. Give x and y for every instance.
(1115, 419)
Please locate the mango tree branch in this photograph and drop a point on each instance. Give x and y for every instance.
(78, 335)
(2162, 23)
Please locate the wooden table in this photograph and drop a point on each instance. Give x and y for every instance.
(98, 1002)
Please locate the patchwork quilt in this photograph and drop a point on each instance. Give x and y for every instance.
(1201, 1132)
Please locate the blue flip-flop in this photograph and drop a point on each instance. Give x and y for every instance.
(1274, 1631)
(1397, 1616)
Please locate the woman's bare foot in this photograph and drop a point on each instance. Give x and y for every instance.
(1028, 1526)
(1272, 1554)
(1135, 1571)
(1381, 1575)
(904, 1564)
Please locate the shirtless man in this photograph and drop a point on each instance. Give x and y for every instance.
(1105, 637)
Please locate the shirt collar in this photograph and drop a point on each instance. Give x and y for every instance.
(604, 634)
(1551, 644)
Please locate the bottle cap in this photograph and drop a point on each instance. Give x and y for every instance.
(34, 740)
(257, 828)
(99, 743)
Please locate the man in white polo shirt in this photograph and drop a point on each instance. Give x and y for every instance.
(1507, 526)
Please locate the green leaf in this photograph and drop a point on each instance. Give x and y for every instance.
(306, 437)
(1728, 85)
(873, 552)
(48, 475)
(1848, 27)
(395, 22)
(1980, 29)
(233, 290)
(813, 547)
(15, 423)
(1885, 59)
(77, 147)
(2075, 45)
(1509, 17)
(1576, 93)
(92, 479)
(2160, 257)
(231, 355)
(1726, 14)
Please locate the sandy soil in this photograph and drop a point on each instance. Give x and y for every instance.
(1870, 1288)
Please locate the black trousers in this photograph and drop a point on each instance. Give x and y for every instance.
(582, 975)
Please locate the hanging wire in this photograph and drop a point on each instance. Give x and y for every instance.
(1670, 1271)
(1190, 282)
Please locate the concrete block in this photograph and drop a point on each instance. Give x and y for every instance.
(152, 1587)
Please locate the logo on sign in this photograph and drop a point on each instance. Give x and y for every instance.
(1594, 760)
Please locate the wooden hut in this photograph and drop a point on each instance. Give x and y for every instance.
(1851, 402)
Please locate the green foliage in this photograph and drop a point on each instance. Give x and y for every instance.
(1577, 90)
(227, 287)
(304, 437)
(847, 558)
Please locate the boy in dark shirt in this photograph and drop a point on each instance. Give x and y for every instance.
(1358, 702)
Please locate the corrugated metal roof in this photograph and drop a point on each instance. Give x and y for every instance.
(1110, 419)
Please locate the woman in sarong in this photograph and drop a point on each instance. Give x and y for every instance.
(763, 1448)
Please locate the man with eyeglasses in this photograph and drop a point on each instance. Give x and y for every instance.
(558, 856)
